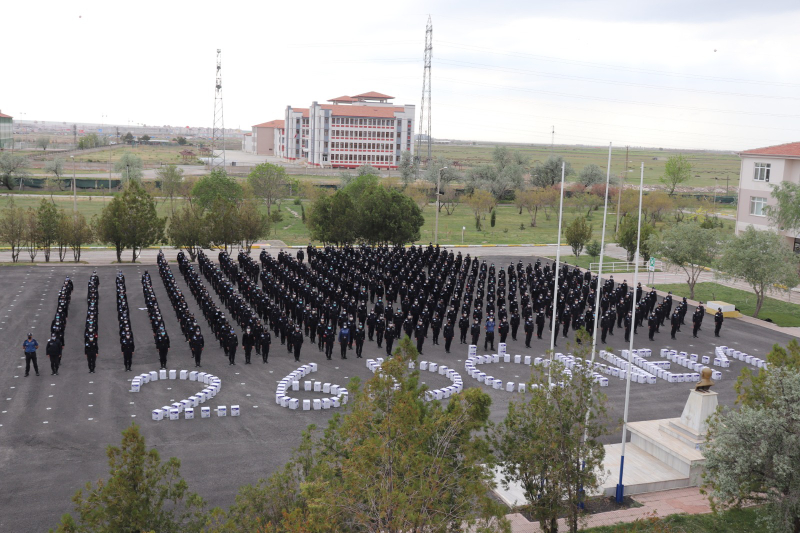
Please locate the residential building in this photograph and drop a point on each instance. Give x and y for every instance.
(267, 138)
(351, 131)
(6, 132)
(761, 169)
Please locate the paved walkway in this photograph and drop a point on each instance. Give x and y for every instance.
(654, 504)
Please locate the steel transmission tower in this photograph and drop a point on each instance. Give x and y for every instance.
(425, 108)
(218, 132)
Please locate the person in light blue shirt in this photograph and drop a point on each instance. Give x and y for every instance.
(489, 339)
(30, 346)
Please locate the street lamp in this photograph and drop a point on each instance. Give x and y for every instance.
(438, 192)
(74, 188)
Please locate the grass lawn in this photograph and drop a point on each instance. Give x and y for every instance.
(733, 521)
(706, 164)
(149, 154)
(781, 313)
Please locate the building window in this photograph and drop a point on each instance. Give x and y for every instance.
(757, 205)
(761, 172)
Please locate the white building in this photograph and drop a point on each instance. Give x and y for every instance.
(365, 129)
(761, 169)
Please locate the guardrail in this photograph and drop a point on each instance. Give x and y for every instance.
(625, 266)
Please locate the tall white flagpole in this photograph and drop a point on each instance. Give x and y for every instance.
(600, 268)
(555, 291)
(620, 485)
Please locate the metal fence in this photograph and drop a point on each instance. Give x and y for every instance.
(625, 266)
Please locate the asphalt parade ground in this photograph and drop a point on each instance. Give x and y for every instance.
(54, 429)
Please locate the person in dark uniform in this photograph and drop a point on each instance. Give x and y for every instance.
(652, 324)
(30, 346)
(436, 325)
(344, 339)
(539, 325)
(697, 318)
(162, 345)
(265, 339)
(514, 322)
(419, 334)
(91, 353)
(360, 335)
(127, 351)
(718, 318)
(297, 342)
(380, 327)
(675, 322)
(196, 344)
(628, 323)
(528, 331)
(463, 325)
(53, 351)
(231, 344)
(329, 339)
(391, 334)
(248, 341)
(475, 330)
(372, 319)
(449, 333)
(604, 321)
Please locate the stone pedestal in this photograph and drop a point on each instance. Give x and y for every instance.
(699, 407)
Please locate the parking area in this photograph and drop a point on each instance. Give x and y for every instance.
(54, 429)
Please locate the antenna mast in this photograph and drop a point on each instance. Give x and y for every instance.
(425, 108)
(218, 132)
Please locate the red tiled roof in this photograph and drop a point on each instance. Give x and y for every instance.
(788, 150)
(302, 110)
(3, 115)
(270, 124)
(344, 99)
(373, 94)
(248, 134)
(363, 111)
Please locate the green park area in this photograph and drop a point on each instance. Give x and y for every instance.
(781, 313)
(733, 521)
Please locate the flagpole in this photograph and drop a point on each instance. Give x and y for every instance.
(555, 291)
(620, 485)
(600, 267)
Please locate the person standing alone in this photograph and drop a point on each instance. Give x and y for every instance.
(30, 346)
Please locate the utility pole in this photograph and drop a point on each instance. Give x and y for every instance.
(218, 131)
(552, 139)
(621, 185)
(425, 105)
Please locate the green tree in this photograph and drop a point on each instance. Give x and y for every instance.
(56, 168)
(786, 212)
(223, 223)
(144, 138)
(12, 169)
(43, 142)
(687, 246)
(181, 140)
(188, 229)
(48, 220)
(142, 494)
(387, 216)
(593, 249)
(330, 219)
(446, 167)
(481, 202)
(129, 167)
(408, 166)
(493, 218)
(32, 237)
(753, 454)
(498, 179)
(141, 225)
(762, 259)
(268, 182)
(396, 463)
(128, 138)
(590, 175)
(216, 185)
(89, 141)
(547, 174)
(677, 170)
(626, 237)
(80, 232)
(549, 445)
(63, 234)
(171, 178)
(108, 225)
(577, 234)
(253, 225)
(752, 388)
(12, 227)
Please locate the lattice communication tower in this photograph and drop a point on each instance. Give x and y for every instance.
(218, 131)
(425, 108)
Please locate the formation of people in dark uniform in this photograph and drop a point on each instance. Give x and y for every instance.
(189, 327)
(91, 332)
(124, 317)
(55, 346)
(160, 336)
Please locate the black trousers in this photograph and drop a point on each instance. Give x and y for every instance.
(247, 351)
(265, 352)
(31, 357)
(359, 347)
(297, 352)
(91, 359)
(447, 342)
(197, 355)
(379, 338)
(514, 332)
(389, 344)
(328, 349)
(695, 328)
(128, 358)
(232, 356)
(420, 342)
(528, 339)
(488, 340)
(475, 339)
(463, 337)
(55, 360)
(162, 355)
(343, 348)
(717, 327)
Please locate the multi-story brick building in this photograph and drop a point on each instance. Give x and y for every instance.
(351, 131)
(761, 169)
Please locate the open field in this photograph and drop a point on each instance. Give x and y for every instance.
(151, 155)
(707, 165)
(781, 313)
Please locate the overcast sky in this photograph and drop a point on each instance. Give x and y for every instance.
(678, 73)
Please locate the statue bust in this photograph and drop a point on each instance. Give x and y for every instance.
(705, 380)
